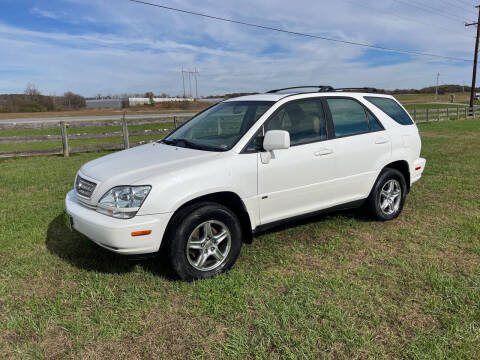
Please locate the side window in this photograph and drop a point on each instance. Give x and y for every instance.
(391, 108)
(304, 120)
(373, 122)
(256, 143)
(348, 117)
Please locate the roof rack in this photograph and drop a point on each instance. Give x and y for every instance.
(321, 88)
(364, 89)
(328, 88)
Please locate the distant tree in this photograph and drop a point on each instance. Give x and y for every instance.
(31, 90)
(150, 95)
(73, 101)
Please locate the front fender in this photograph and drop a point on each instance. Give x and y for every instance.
(171, 190)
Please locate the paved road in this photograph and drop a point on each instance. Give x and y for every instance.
(90, 118)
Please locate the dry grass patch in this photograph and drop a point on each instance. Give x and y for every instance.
(177, 332)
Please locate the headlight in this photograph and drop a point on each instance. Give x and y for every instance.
(123, 201)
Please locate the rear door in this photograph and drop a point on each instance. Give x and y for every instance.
(361, 147)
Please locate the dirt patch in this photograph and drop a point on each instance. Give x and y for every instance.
(7, 340)
(55, 343)
(172, 333)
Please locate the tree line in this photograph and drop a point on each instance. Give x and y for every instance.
(33, 101)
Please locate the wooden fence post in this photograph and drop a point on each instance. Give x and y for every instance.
(427, 114)
(458, 112)
(438, 114)
(414, 112)
(126, 141)
(448, 113)
(175, 122)
(473, 112)
(466, 112)
(63, 126)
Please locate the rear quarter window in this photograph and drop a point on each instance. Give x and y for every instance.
(391, 108)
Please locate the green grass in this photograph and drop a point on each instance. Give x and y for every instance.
(411, 107)
(338, 286)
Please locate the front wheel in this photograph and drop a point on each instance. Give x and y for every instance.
(205, 240)
(388, 195)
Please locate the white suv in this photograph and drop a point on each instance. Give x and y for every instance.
(246, 164)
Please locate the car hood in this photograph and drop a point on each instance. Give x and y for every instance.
(128, 167)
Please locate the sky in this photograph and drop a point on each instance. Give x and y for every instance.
(107, 47)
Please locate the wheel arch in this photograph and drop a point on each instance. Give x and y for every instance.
(402, 166)
(228, 199)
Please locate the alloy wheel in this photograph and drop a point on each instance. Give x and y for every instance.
(390, 197)
(208, 245)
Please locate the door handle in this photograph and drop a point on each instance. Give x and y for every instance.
(323, 152)
(382, 140)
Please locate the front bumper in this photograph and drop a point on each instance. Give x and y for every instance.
(417, 170)
(116, 234)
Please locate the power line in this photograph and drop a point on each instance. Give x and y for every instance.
(415, 20)
(345, 42)
(438, 10)
(457, 5)
(429, 9)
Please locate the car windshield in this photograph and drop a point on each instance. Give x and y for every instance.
(220, 127)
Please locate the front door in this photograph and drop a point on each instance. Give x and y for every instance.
(297, 180)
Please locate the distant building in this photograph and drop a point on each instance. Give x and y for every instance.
(146, 101)
(104, 103)
(117, 103)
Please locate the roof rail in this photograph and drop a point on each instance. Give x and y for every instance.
(364, 89)
(321, 88)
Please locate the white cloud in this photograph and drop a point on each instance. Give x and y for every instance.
(44, 13)
(144, 48)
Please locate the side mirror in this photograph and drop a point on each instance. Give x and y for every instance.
(276, 140)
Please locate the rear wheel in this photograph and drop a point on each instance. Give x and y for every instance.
(388, 195)
(205, 240)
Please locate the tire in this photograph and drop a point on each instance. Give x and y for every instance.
(382, 202)
(203, 240)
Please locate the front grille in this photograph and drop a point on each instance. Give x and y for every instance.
(84, 187)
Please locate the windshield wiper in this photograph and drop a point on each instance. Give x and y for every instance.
(189, 144)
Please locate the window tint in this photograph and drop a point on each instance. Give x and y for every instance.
(348, 117)
(304, 120)
(391, 108)
(373, 122)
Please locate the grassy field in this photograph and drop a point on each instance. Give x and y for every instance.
(418, 101)
(408, 100)
(430, 98)
(118, 139)
(163, 108)
(338, 286)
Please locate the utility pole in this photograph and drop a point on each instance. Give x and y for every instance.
(196, 84)
(183, 82)
(475, 59)
(190, 74)
(190, 82)
(436, 89)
